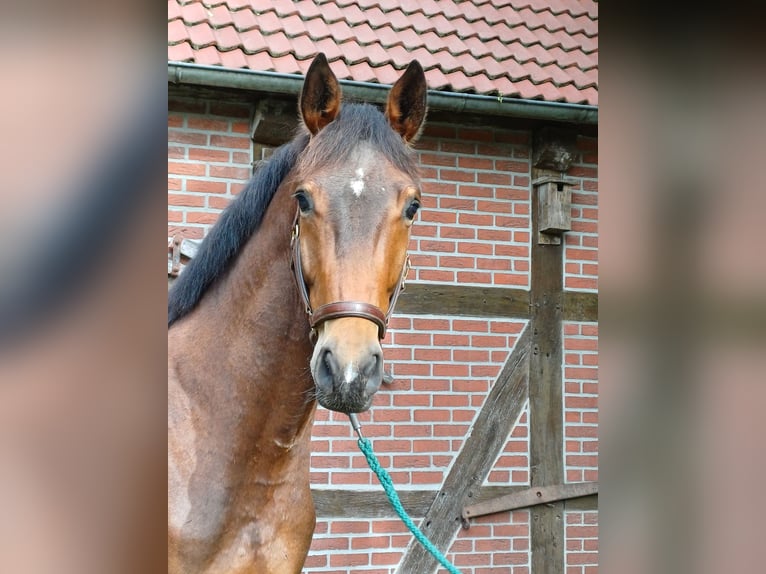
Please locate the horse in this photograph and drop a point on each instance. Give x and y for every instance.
(283, 307)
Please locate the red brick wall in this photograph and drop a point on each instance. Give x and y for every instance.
(474, 229)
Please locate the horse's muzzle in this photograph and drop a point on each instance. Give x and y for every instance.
(346, 381)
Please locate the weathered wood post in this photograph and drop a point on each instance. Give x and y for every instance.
(552, 154)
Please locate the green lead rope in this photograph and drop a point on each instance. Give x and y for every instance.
(388, 486)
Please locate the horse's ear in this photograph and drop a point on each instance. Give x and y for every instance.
(406, 106)
(320, 98)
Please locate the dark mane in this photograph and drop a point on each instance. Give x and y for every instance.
(332, 146)
(235, 226)
(358, 123)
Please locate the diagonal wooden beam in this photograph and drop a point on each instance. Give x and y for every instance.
(475, 460)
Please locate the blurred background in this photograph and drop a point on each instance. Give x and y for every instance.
(83, 292)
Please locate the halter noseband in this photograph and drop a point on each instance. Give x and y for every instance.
(339, 309)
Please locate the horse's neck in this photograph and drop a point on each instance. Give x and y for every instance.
(253, 344)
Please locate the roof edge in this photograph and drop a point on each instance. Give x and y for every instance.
(280, 83)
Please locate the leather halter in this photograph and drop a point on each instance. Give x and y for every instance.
(340, 309)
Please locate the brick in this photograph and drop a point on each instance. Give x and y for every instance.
(208, 155)
(439, 246)
(436, 276)
(450, 370)
(431, 324)
(432, 354)
(186, 200)
(230, 142)
(520, 180)
(458, 147)
(512, 194)
(176, 152)
(439, 188)
(241, 127)
(175, 121)
(174, 184)
(499, 235)
(179, 168)
(580, 283)
(475, 248)
(451, 340)
(472, 356)
(205, 186)
(497, 264)
(438, 216)
(472, 162)
(455, 175)
(475, 191)
(175, 216)
(207, 124)
(505, 221)
(178, 136)
(457, 262)
(218, 202)
(475, 219)
(489, 341)
(438, 159)
(494, 178)
(240, 173)
(450, 401)
(473, 277)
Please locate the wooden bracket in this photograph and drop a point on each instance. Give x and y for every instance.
(529, 497)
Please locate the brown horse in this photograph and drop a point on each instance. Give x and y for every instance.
(332, 209)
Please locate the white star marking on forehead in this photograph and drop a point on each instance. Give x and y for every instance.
(357, 185)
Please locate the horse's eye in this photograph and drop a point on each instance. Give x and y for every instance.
(304, 203)
(412, 209)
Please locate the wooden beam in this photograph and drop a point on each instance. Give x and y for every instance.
(530, 497)
(580, 306)
(440, 299)
(546, 420)
(471, 301)
(343, 503)
(487, 438)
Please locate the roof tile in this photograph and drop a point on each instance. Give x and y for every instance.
(279, 45)
(252, 41)
(180, 52)
(365, 35)
(317, 28)
(226, 38)
(269, 22)
(201, 35)
(283, 7)
(260, 61)
(244, 19)
(174, 10)
(534, 49)
(340, 31)
(303, 47)
(308, 9)
(177, 32)
(194, 13)
(233, 59)
(220, 16)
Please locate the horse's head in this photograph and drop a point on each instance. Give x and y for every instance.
(357, 192)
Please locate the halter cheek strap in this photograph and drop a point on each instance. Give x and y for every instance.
(340, 309)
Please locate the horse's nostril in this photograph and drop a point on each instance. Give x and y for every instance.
(327, 370)
(373, 366)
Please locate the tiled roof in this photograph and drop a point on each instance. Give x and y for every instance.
(530, 49)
